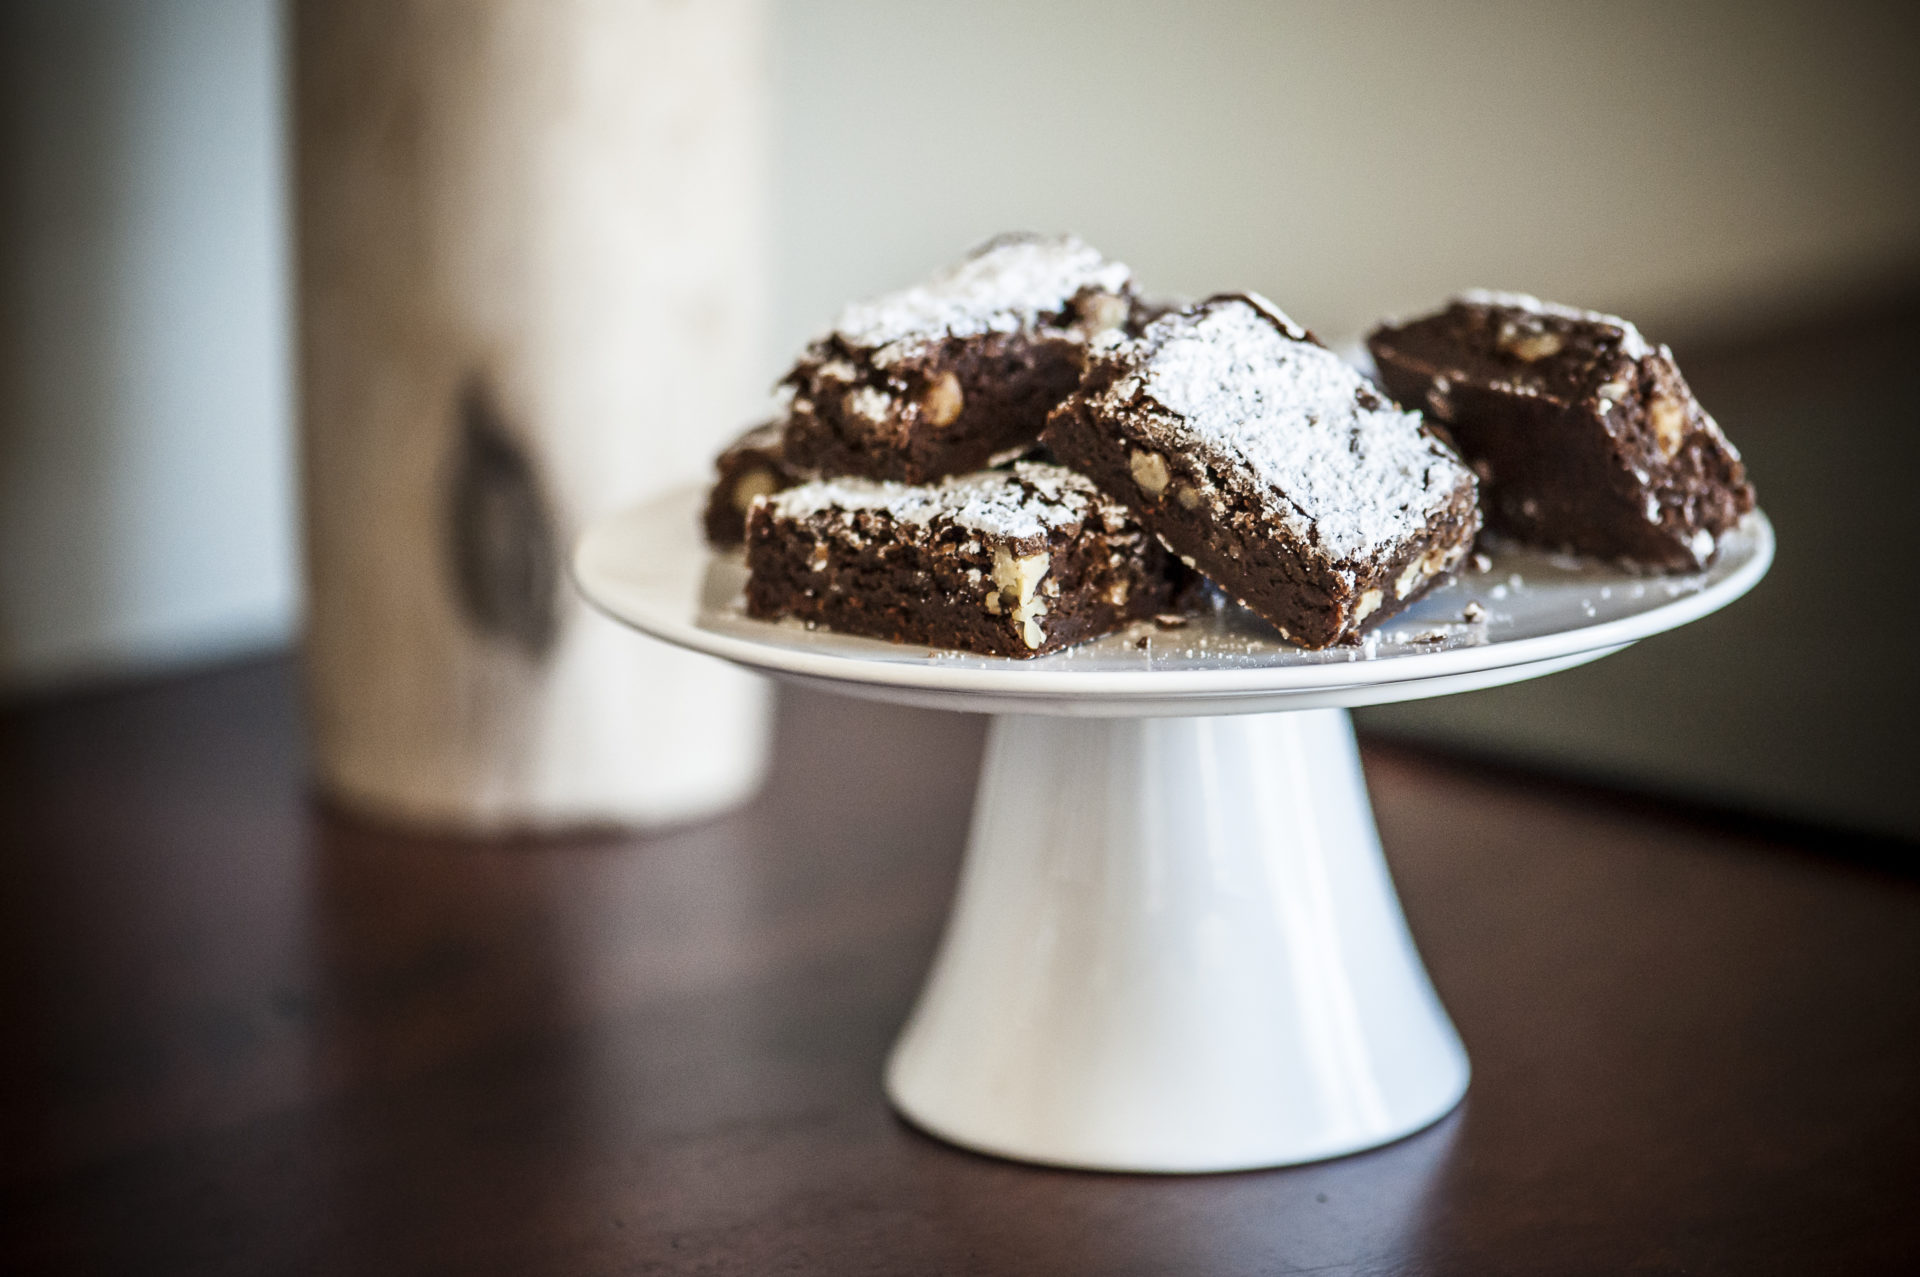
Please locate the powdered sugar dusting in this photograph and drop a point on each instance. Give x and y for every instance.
(1353, 472)
(1005, 286)
(1632, 344)
(1032, 499)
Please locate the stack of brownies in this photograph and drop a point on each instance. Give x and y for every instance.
(1021, 454)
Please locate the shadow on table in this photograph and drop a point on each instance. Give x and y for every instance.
(1364, 1213)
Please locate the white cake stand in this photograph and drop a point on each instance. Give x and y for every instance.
(1176, 946)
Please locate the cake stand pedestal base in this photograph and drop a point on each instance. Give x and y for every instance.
(1175, 947)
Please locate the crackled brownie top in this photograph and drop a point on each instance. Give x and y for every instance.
(1009, 284)
(1522, 345)
(1520, 335)
(1031, 501)
(1234, 378)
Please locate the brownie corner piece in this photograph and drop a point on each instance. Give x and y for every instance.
(936, 379)
(752, 465)
(1267, 462)
(1585, 435)
(1018, 562)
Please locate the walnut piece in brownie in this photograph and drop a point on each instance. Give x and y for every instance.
(1584, 435)
(937, 379)
(1015, 562)
(1272, 466)
(751, 466)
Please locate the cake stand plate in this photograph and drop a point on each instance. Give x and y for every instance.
(1175, 945)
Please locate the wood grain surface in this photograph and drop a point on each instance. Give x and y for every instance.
(247, 1035)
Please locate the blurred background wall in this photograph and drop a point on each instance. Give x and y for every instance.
(1696, 166)
(1723, 172)
(146, 481)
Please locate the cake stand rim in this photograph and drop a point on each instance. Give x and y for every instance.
(1040, 682)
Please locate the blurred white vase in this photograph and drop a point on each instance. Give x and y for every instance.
(531, 277)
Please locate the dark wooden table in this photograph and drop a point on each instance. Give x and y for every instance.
(246, 1035)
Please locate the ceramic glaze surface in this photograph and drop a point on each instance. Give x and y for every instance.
(1176, 948)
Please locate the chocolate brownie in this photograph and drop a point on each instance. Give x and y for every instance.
(1585, 436)
(938, 379)
(751, 466)
(1015, 562)
(1272, 466)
